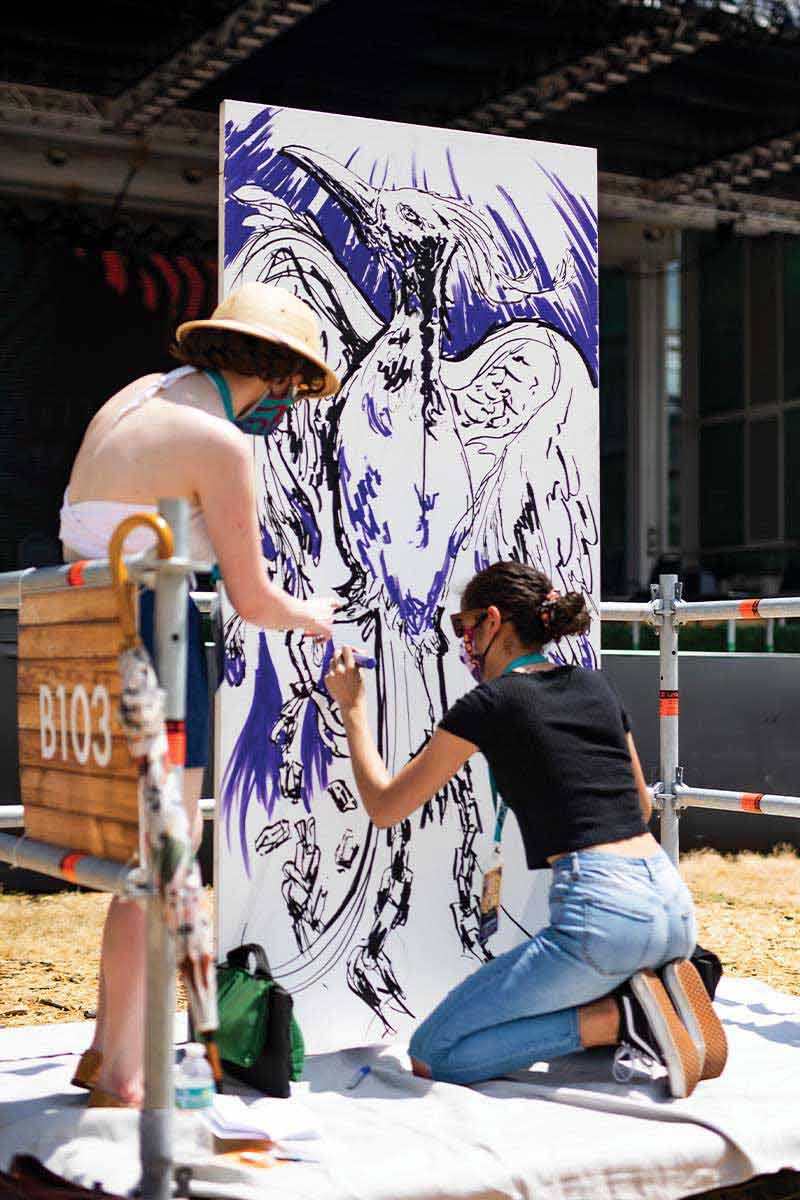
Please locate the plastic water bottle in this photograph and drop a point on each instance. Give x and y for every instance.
(194, 1079)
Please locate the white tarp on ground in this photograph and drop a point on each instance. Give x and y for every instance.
(398, 1137)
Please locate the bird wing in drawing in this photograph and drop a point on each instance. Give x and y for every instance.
(288, 249)
(525, 401)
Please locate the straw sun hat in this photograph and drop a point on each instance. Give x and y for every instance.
(275, 316)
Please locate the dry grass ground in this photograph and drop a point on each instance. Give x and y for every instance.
(748, 908)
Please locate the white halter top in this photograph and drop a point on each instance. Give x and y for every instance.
(86, 527)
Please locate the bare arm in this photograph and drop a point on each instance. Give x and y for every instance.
(226, 491)
(645, 802)
(388, 799)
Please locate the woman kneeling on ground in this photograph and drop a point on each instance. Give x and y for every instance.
(184, 434)
(611, 968)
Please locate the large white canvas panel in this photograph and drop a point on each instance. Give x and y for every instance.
(455, 278)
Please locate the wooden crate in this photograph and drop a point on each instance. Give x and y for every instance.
(78, 781)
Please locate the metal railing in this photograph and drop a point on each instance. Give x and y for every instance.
(666, 612)
(169, 578)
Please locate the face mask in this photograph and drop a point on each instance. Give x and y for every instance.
(469, 655)
(266, 414)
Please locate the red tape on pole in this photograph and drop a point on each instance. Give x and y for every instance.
(751, 801)
(68, 864)
(748, 609)
(176, 740)
(75, 573)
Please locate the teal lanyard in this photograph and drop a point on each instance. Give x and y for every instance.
(221, 384)
(500, 806)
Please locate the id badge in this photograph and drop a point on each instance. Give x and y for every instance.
(490, 901)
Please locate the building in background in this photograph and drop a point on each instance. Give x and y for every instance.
(108, 180)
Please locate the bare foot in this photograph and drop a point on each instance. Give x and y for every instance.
(420, 1069)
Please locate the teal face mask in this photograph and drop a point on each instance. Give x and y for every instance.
(269, 411)
(263, 417)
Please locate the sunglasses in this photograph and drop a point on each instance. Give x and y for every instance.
(467, 622)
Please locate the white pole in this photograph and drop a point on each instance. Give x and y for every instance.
(155, 1130)
(669, 594)
(769, 636)
(731, 636)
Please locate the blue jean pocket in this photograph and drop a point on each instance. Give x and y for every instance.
(615, 941)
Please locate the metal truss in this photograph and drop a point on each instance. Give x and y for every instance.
(249, 27)
(551, 94)
(78, 116)
(682, 28)
(744, 169)
(624, 197)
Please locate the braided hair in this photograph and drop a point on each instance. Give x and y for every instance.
(527, 598)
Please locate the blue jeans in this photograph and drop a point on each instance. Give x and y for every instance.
(609, 917)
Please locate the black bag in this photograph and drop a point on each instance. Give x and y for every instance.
(258, 1038)
(708, 967)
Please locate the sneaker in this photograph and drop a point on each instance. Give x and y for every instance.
(651, 1032)
(693, 1004)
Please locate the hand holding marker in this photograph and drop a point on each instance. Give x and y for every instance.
(364, 661)
(361, 660)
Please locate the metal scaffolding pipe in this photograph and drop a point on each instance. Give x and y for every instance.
(11, 816)
(750, 802)
(612, 610)
(738, 610)
(668, 599)
(93, 573)
(156, 1120)
(69, 865)
(205, 601)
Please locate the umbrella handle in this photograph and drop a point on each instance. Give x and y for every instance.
(119, 572)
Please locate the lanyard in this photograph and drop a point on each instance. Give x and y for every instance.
(500, 806)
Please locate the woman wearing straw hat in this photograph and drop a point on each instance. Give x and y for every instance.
(183, 435)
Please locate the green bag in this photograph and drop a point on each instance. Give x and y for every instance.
(258, 1038)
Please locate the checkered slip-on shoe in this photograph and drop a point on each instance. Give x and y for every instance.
(693, 1004)
(652, 1032)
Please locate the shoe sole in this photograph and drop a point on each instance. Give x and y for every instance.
(677, 1048)
(87, 1070)
(693, 1003)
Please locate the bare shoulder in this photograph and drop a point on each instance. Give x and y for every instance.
(213, 434)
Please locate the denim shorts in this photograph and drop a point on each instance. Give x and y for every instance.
(198, 701)
(610, 916)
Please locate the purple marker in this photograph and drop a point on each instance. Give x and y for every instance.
(363, 660)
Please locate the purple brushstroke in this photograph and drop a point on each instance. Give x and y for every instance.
(379, 422)
(268, 547)
(313, 537)
(427, 503)
(418, 615)
(251, 159)
(255, 762)
(235, 669)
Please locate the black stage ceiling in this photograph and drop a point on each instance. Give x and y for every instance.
(698, 102)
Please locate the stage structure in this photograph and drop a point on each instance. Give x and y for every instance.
(455, 277)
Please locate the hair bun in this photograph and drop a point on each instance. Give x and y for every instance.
(565, 615)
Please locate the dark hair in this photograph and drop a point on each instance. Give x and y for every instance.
(522, 595)
(228, 350)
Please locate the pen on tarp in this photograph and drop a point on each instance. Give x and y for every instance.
(359, 1077)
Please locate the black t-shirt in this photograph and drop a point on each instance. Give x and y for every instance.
(555, 741)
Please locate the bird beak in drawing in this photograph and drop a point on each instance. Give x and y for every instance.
(357, 198)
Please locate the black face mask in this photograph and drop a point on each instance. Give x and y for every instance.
(473, 661)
